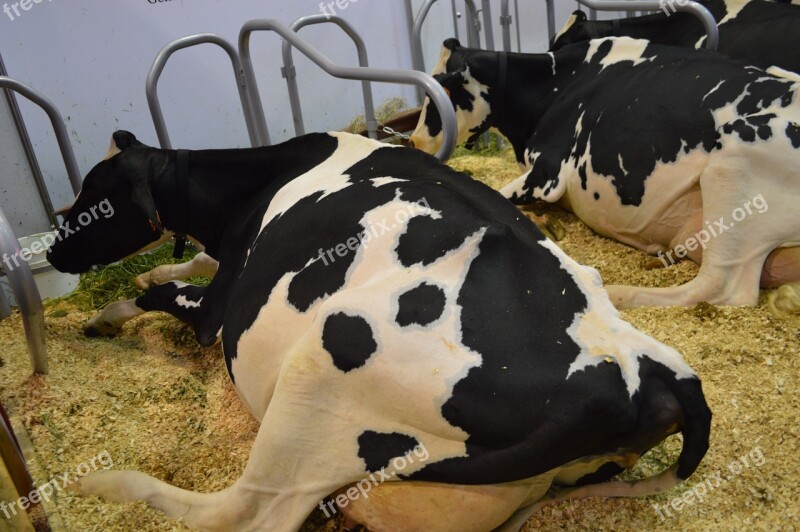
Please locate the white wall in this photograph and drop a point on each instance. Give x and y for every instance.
(91, 58)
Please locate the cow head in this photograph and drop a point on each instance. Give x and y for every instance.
(114, 215)
(465, 75)
(575, 30)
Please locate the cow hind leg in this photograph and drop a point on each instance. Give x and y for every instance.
(109, 321)
(200, 266)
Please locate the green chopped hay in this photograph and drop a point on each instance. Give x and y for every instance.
(106, 284)
(385, 112)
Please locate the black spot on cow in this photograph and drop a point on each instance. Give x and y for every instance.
(748, 127)
(584, 177)
(762, 94)
(378, 449)
(596, 196)
(793, 132)
(441, 237)
(421, 305)
(349, 340)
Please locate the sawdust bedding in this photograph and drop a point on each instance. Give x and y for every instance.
(159, 403)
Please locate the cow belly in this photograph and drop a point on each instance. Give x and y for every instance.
(418, 506)
(671, 200)
(430, 506)
(263, 347)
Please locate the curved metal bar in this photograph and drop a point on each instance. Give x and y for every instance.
(151, 88)
(701, 12)
(21, 280)
(407, 77)
(473, 25)
(416, 37)
(58, 127)
(290, 73)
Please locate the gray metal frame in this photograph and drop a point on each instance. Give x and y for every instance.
(473, 29)
(151, 87)
(62, 137)
(701, 12)
(21, 278)
(290, 72)
(30, 301)
(407, 77)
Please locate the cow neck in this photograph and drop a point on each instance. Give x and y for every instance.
(499, 93)
(518, 112)
(181, 202)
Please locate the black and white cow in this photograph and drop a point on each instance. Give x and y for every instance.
(758, 32)
(387, 318)
(677, 152)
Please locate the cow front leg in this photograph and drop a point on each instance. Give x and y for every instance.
(179, 299)
(200, 266)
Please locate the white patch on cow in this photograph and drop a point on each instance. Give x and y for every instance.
(466, 120)
(782, 73)
(621, 164)
(112, 150)
(328, 177)
(441, 65)
(434, 358)
(183, 301)
(712, 91)
(570, 21)
(380, 181)
(553, 61)
(602, 335)
(622, 49)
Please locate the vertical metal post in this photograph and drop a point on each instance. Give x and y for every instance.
(290, 73)
(21, 280)
(505, 24)
(30, 154)
(62, 137)
(488, 30)
(455, 18)
(473, 25)
(551, 20)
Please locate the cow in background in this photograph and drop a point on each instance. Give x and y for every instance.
(677, 152)
(758, 32)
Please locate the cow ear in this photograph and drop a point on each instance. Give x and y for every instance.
(452, 44)
(580, 16)
(124, 140)
(450, 80)
(143, 198)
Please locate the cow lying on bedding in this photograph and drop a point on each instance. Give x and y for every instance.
(374, 306)
(758, 32)
(677, 152)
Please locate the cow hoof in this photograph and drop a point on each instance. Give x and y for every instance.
(549, 225)
(555, 227)
(157, 276)
(100, 329)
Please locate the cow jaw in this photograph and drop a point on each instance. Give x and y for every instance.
(468, 121)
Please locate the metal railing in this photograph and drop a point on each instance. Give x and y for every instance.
(406, 77)
(290, 72)
(157, 68)
(701, 12)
